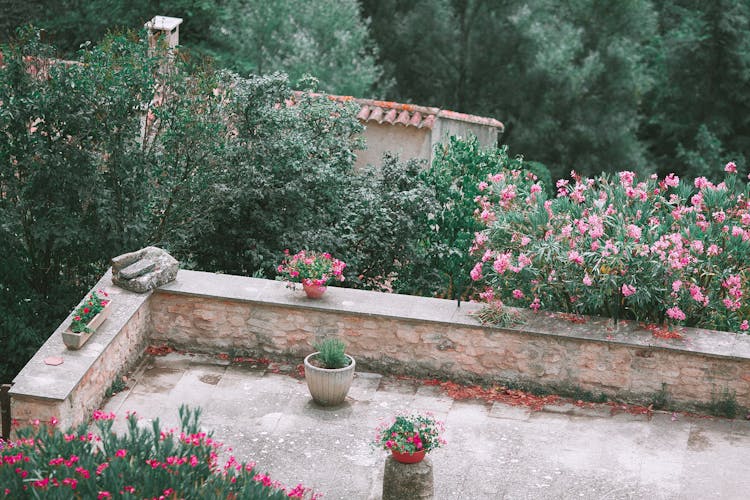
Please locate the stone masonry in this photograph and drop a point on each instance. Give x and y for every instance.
(390, 333)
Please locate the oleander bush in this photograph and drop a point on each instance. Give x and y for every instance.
(652, 250)
(48, 462)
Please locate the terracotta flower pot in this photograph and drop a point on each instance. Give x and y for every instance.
(408, 458)
(328, 387)
(75, 341)
(314, 291)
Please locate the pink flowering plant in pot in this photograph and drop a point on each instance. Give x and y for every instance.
(410, 434)
(311, 268)
(652, 250)
(89, 308)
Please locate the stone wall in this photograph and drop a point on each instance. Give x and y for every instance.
(72, 390)
(433, 337)
(384, 332)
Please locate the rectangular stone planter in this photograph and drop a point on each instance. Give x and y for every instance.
(74, 340)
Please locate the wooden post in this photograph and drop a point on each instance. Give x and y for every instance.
(5, 410)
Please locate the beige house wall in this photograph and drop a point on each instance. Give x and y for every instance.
(406, 142)
(412, 142)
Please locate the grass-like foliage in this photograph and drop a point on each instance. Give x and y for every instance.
(331, 353)
(48, 462)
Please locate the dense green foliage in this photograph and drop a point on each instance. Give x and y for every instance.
(457, 175)
(145, 462)
(113, 153)
(591, 85)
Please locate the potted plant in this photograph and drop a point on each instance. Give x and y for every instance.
(410, 437)
(314, 270)
(329, 372)
(86, 319)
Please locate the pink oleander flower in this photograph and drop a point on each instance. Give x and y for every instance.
(672, 180)
(730, 168)
(627, 290)
(587, 280)
(626, 178)
(676, 313)
(518, 294)
(744, 326)
(476, 272)
(535, 304)
(701, 182)
(575, 257)
(634, 231)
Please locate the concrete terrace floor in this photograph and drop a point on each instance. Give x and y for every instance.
(494, 451)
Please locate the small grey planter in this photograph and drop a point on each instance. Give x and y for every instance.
(75, 341)
(329, 387)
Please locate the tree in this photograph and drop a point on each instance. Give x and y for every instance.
(324, 38)
(567, 80)
(699, 110)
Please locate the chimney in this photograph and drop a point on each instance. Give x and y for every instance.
(167, 27)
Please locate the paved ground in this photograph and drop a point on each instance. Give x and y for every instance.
(494, 450)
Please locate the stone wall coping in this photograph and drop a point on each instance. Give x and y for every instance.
(47, 382)
(407, 307)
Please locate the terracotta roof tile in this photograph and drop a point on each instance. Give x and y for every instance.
(391, 116)
(376, 115)
(363, 114)
(403, 118)
(428, 122)
(416, 119)
(408, 115)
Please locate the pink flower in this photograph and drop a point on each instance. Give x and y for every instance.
(587, 280)
(628, 290)
(575, 257)
(626, 178)
(501, 263)
(744, 326)
(476, 272)
(517, 294)
(713, 250)
(634, 231)
(482, 186)
(730, 167)
(672, 180)
(121, 453)
(676, 313)
(535, 305)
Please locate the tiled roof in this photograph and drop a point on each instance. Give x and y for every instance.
(409, 115)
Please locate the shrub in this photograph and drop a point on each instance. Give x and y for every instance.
(458, 175)
(651, 250)
(384, 227)
(48, 462)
